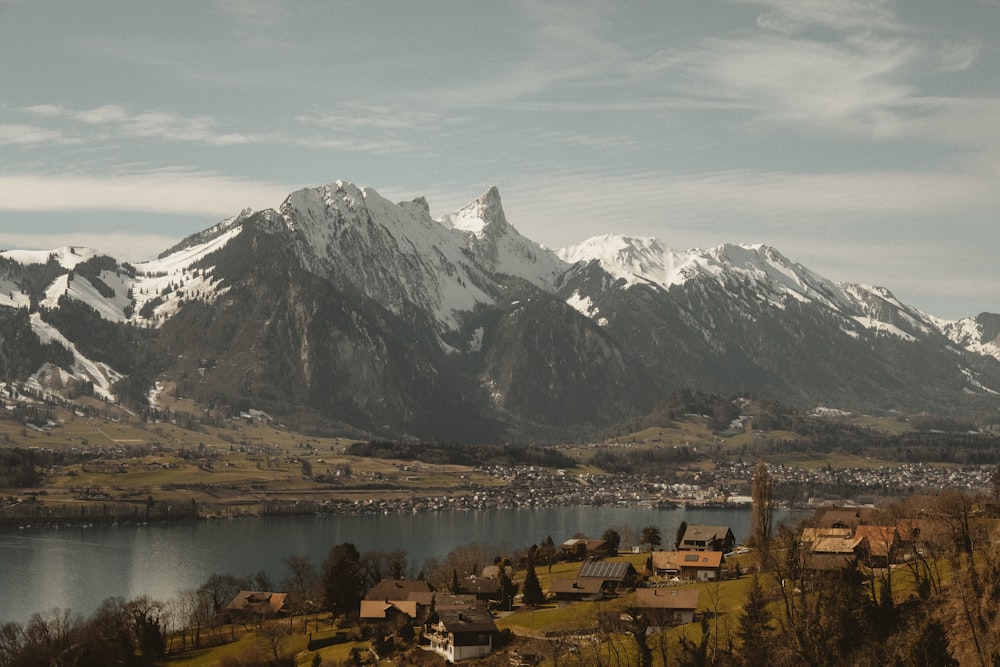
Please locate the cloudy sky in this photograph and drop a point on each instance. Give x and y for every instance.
(860, 138)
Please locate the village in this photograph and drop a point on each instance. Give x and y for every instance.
(573, 601)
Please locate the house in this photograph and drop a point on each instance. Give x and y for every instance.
(667, 606)
(830, 540)
(700, 565)
(483, 588)
(578, 548)
(397, 589)
(390, 600)
(574, 590)
(461, 634)
(594, 580)
(707, 538)
(393, 614)
(613, 574)
(689, 565)
(843, 517)
(878, 546)
(258, 603)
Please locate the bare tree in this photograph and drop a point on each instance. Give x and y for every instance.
(763, 513)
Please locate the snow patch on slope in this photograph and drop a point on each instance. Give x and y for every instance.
(968, 334)
(83, 369)
(394, 253)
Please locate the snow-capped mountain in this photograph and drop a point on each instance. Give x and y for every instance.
(342, 310)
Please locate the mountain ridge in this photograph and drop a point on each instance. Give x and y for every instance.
(370, 315)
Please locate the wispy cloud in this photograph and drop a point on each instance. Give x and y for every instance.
(712, 207)
(827, 66)
(18, 134)
(164, 125)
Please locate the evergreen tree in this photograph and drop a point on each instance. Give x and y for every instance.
(681, 529)
(612, 541)
(930, 649)
(755, 631)
(651, 536)
(342, 579)
(507, 589)
(533, 594)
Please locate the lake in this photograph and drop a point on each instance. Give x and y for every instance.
(79, 567)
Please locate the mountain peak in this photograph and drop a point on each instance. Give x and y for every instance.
(483, 215)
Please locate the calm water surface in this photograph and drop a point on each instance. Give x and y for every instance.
(77, 568)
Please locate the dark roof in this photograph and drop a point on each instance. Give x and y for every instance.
(466, 620)
(397, 589)
(698, 533)
(615, 570)
(587, 586)
(258, 600)
(444, 601)
(478, 585)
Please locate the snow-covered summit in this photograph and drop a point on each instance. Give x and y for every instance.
(484, 214)
(67, 256)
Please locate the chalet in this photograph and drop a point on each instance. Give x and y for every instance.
(830, 540)
(574, 590)
(397, 589)
(394, 602)
(578, 548)
(482, 588)
(461, 635)
(665, 563)
(612, 574)
(878, 546)
(701, 565)
(667, 606)
(395, 613)
(707, 538)
(843, 517)
(258, 603)
(689, 565)
(595, 579)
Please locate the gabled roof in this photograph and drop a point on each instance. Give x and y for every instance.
(466, 620)
(700, 559)
(879, 540)
(810, 535)
(697, 533)
(589, 544)
(835, 544)
(665, 560)
(479, 585)
(848, 517)
(666, 598)
(608, 570)
(445, 601)
(257, 601)
(397, 589)
(588, 586)
(379, 609)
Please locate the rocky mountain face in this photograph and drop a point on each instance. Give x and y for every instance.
(343, 312)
